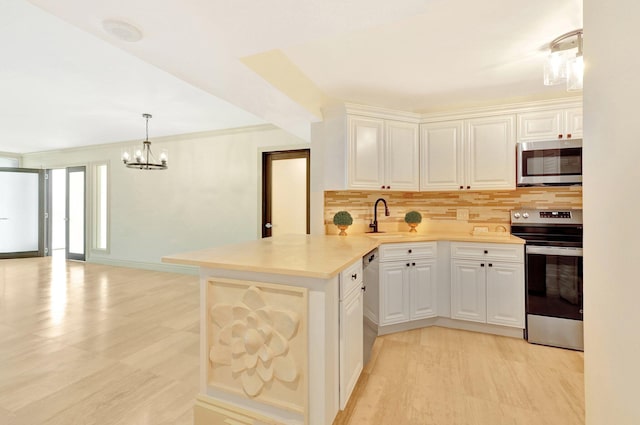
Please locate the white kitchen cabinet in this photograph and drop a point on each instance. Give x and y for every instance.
(468, 290)
(441, 156)
(351, 329)
(474, 154)
(423, 289)
(394, 292)
(401, 153)
(550, 124)
(351, 342)
(383, 154)
(408, 282)
(487, 283)
(491, 150)
(505, 294)
(366, 153)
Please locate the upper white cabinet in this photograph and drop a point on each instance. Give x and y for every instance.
(367, 148)
(551, 124)
(441, 156)
(383, 154)
(366, 153)
(475, 154)
(402, 154)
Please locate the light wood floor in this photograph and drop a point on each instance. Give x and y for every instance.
(91, 344)
(439, 376)
(88, 344)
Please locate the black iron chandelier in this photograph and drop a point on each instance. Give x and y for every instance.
(144, 159)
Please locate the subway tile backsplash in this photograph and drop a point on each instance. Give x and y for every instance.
(483, 206)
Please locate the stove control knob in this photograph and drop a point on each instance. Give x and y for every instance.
(516, 215)
(525, 215)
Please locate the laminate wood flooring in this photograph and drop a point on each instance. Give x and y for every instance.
(438, 376)
(85, 344)
(91, 344)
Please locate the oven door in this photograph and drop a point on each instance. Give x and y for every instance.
(554, 281)
(555, 162)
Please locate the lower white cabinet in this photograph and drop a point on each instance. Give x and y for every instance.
(408, 286)
(351, 329)
(468, 291)
(351, 337)
(394, 292)
(423, 289)
(505, 294)
(485, 290)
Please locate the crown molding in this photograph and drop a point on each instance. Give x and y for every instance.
(453, 114)
(162, 139)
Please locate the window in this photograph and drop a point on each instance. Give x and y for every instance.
(100, 207)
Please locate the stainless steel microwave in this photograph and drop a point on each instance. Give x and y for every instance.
(555, 162)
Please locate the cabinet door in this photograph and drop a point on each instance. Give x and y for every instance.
(491, 160)
(573, 123)
(545, 125)
(394, 292)
(350, 345)
(505, 294)
(423, 289)
(468, 290)
(441, 158)
(366, 156)
(402, 156)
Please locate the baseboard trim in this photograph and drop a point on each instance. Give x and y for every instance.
(445, 322)
(208, 411)
(158, 267)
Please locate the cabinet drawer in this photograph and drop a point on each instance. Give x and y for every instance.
(405, 251)
(494, 251)
(350, 279)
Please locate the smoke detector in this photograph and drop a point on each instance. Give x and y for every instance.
(122, 30)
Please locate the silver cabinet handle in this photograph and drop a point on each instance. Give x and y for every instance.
(4, 218)
(268, 225)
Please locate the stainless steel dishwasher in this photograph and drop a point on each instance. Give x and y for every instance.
(371, 275)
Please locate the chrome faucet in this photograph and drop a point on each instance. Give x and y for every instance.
(374, 224)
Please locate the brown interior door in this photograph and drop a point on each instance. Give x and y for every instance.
(285, 192)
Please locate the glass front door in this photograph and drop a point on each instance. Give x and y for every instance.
(21, 212)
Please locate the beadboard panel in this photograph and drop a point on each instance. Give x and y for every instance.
(483, 206)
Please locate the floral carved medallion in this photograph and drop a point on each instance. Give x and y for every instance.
(254, 339)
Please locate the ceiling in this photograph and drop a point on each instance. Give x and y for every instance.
(211, 64)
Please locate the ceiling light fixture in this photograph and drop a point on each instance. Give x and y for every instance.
(564, 63)
(144, 159)
(122, 30)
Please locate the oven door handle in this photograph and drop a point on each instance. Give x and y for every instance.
(555, 250)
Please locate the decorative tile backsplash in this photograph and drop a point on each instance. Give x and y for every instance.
(484, 207)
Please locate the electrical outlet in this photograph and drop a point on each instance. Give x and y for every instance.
(462, 214)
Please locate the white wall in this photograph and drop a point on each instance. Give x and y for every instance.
(611, 205)
(208, 197)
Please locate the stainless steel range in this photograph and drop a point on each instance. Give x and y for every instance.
(553, 275)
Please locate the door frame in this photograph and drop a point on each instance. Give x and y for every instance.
(267, 157)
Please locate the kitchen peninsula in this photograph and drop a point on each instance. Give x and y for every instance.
(281, 324)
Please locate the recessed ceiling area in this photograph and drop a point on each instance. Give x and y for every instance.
(217, 64)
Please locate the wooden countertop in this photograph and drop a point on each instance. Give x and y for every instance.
(320, 256)
(297, 255)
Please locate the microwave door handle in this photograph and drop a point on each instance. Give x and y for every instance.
(555, 250)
